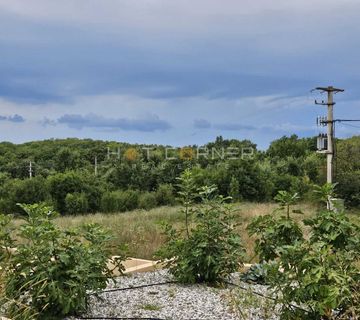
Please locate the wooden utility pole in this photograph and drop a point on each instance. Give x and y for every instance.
(330, 127)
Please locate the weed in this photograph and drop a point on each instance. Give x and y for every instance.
(246, 305)
(151, 307)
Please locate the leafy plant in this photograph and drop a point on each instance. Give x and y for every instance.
(320, 274)
(53, 270)
(257, 273)
(209, 251)
(234, 189)
(335, 229)
(315, 282)
(6, 242)
(286, 200)
(353, 309)
(187, 193)
(275, 231)
(325, 193)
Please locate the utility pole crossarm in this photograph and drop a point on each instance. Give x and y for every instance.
(329, 89)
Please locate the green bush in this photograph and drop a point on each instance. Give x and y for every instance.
(335, 229)
(257, 273)
(6, 241)
(61, 184)
(165, 195)
(318, 279)
(53, 270)
(211, 250)
(119, 201)
(108, 202)
(76, 203)
(24, 191)
(349, 187)
(274, 231)
(147, 200)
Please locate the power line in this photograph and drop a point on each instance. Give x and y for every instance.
(350, 125)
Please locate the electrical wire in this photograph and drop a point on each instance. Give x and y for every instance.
(349, 125)
(263, 295)
(136, 287)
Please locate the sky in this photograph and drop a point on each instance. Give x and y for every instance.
(175, 72)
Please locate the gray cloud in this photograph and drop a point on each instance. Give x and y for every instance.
(205, 124)
(47, 122)
(149, 124)
(233, 126)
(12, 118)
(202, 124)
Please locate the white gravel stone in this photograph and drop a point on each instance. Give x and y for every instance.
(166, 301)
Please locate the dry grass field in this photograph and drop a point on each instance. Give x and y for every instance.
(141, 229)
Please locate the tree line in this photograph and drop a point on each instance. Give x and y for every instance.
(85, 176)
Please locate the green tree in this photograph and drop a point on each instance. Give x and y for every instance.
(67, 159)
(27, 191)
(61, 184)
(291, 147)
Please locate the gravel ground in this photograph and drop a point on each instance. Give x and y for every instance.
(180, 302)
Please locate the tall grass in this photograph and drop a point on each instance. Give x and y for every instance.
(141, 229)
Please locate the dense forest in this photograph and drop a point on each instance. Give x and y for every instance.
(80, 176)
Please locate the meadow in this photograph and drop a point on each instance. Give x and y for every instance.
(141, 229)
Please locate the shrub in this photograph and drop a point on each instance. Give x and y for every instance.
(25, 191)
(187, 193)
(317, 278)
(94, 191)
(321, 274)
(119, 201)
(257, 273)
(6, 241)
(211, 250)
(76, 203)
(324, 194)
(53, 270)
(108, 202)
(335, 229)
(61, 184)
(165, 195)
(349, 187)
(275, 231)
(147, 200)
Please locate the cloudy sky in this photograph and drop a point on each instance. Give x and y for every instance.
(175, 71)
